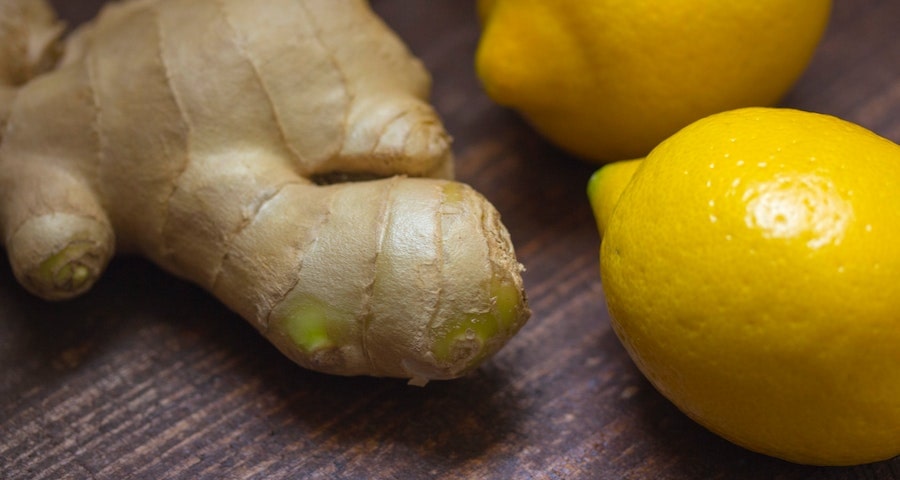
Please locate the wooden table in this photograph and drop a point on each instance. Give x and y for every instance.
(149, 377)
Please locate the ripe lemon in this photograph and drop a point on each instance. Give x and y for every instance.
(609, 79)
(752, 271)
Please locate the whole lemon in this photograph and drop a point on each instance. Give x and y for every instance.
(610, 79)
(752, 270)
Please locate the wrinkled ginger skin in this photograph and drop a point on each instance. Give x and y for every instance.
(29, 34)
(192, 132)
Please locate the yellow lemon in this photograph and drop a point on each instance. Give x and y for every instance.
(752, 271)
(609, 79)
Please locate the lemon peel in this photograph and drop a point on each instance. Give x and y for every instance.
(608, 80)
(750, 267)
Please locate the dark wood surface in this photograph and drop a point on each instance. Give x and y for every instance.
(149, 377)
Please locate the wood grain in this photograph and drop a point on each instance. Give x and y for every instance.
(149, 378)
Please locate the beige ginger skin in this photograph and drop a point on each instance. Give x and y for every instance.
(200, 134)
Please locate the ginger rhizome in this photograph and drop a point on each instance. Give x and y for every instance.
(210, 137)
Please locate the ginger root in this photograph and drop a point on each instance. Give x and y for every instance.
(207, 136)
